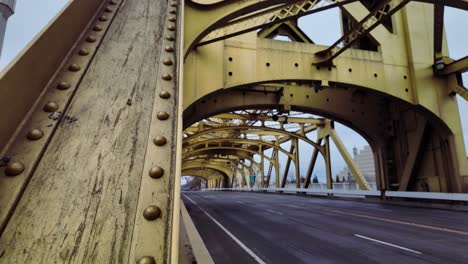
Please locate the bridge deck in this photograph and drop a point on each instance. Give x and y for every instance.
(292, 229)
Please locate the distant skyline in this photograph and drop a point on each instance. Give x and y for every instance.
(31, 16)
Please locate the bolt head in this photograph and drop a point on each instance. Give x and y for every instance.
(167, 62)
(160, 141)
(156, 172)
(63, 85)
(165, 95)
(97, 28)
(167, 77)
(169, 49)
(83, 52)
(163, 115)
(172, 19)
(108, 10)
(74, 67)
(14, 168)
(113, 2)
(174, 4)
(173, 11)
(171, 27)
(35, 134)
(146, 260)
(152, 213)
(91, 39)
(50, 107)
(103, 18)
(170, 38)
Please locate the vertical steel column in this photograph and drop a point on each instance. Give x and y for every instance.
(262, 168)
(155, 235)
(288, 164)
(277, 172)
(328, 163)
(296, 162)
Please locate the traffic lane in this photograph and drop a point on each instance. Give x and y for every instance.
(323, 241)
(400, 234)
(433, 217)
(438, 244)
(221, 247)
(242, 223)
(283, 237)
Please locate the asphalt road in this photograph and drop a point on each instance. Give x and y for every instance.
(246, 228)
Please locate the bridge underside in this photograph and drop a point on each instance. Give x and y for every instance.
(115, 100)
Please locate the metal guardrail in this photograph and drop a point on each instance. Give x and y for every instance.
(413, 195)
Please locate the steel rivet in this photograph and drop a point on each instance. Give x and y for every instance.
(171, 27)
(167, 62)
(159, 141)
(103, 18)
(173, 11)
(174, 4)
(169, 49)
(108, 10)
(35, 134)
(163, 116)
(146, 260)
(14, 168)
(156, 172)
(91, 39)
(170, 38)
(74, 67)
(64, 85)
(164, 95)
(152, 213)
(97, 28)
(83, 52)
(113, 2)
(167, 77)
(50, 107)
(172, 19)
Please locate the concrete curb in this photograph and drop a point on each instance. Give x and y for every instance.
(198, 246)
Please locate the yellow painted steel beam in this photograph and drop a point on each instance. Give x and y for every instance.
(364, 26)
(454, 66)
(270, 16)
(235, 141)
(248, 128)
(311, 167)
(353, 168)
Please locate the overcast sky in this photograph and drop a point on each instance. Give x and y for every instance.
(31, 16)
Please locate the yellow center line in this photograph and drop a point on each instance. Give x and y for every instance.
(448, 230)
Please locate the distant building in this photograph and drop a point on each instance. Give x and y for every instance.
(365, 161)
(7, 8)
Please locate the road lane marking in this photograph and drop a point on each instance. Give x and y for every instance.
(453, 231)
(388, 244)
(275, 212)
(240, 202)
(293, 206)
(244, 247)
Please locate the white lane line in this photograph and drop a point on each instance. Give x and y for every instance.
(244, 247)
(275, 212)
(240, 202)
(388, 244)
(293, 206)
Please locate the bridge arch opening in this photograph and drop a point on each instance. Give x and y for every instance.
(387, 123)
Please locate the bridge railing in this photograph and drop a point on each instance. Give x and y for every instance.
(463, 197)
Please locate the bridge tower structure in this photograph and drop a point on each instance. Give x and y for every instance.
(117, 99)
(7, 8)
